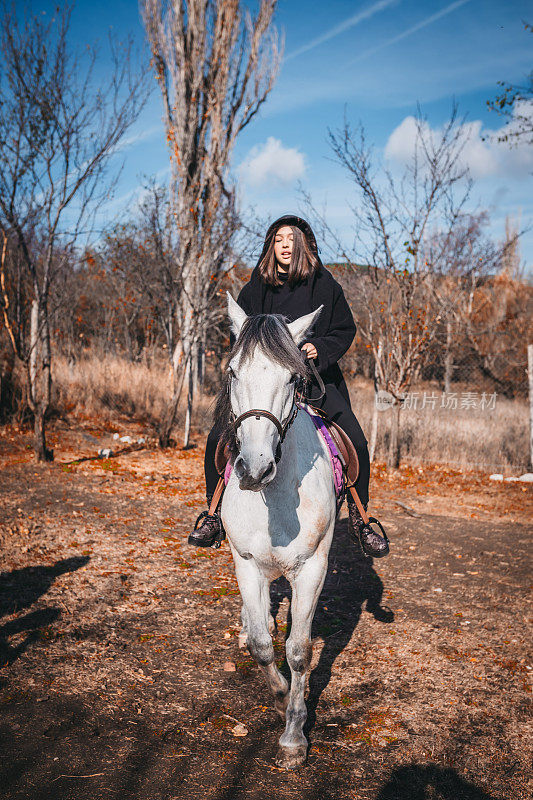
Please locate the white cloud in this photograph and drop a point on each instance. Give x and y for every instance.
(482, 153)
(272, 163)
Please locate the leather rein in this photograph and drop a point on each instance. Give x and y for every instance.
(282, 429)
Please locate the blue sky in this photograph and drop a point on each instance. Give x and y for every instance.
(377, 58)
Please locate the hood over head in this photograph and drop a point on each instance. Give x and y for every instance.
(297, 222)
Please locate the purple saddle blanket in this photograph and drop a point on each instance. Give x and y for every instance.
(336, 462)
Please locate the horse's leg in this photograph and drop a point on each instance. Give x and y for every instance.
(254, 588)
(243, 636)
(306, 588)
(242, 633)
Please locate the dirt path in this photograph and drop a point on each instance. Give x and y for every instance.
(120, 669)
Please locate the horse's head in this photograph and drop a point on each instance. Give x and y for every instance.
(264, 369)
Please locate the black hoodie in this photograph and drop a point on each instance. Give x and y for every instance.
(335, 328)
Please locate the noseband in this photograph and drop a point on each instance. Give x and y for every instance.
(298, 396)
(281, 429)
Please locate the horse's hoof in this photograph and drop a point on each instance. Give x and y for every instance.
(243, 638)
(291, 757)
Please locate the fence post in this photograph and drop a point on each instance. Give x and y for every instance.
(374, 429)
(530, 376)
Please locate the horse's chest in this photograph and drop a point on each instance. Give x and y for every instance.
(282, 534)
(274, 550)
(274, 562)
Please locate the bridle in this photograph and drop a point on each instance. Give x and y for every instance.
(282, 428)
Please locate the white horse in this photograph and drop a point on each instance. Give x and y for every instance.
(279, 517)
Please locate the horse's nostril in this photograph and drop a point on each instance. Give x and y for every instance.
(267, 472)
(240, 467)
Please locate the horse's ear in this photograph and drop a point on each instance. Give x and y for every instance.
(302, 326)
(237, 316)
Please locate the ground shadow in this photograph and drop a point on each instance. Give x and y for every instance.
(351, 583)
(19, 589)
(33, 623)
(64, 750)
(22, 587)
(428, 781)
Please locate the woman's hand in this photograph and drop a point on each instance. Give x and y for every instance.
(310, 350)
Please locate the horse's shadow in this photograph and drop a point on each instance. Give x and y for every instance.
(351, 582)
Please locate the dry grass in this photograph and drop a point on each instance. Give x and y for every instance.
(111, 387)
(495, 439)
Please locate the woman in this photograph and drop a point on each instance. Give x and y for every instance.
(290, 279)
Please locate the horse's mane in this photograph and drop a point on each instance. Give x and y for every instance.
(270, 333)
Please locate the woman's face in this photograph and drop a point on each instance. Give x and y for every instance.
(283, 246)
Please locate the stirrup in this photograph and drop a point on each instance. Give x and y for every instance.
(373, 519)
(221, 535)
(383, 536)
(200, 517)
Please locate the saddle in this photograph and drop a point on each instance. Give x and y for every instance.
(222, 456)
(344, 445)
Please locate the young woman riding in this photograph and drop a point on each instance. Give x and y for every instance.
(290, 279)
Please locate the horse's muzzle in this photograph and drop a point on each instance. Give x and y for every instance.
(249, 479)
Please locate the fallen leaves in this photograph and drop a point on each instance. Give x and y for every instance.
(143, 633)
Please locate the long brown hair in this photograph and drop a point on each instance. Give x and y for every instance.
(303, 260)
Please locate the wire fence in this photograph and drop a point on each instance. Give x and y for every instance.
(469, 424)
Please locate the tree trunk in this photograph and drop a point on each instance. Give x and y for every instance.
(190, 399)
(393, 459)
(448, 359)
(195, 362)
(374, 429)
(201, 365)
(40, 378)
(7, 394)
(34, 353)
(42, 453)
(167, 423)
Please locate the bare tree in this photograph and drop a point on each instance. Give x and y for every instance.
(138, 260)
(483, 301)
(397, 318)
(215, 67)
(515, 104)
(462, 258)
(59, 127)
